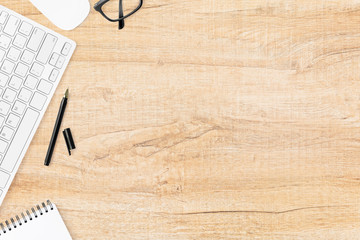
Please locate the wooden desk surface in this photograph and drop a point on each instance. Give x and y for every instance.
(206, 120)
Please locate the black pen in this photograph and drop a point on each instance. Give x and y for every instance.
(56, 128)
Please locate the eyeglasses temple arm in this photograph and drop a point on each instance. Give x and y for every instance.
(121, 14)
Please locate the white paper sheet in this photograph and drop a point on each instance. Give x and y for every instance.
(48, 226)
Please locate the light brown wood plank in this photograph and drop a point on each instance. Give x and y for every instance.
(206, 120)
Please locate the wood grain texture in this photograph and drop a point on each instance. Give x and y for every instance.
(206, 120)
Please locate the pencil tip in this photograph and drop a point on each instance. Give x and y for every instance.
(66, 93)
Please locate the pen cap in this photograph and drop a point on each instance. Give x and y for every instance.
(69, 140)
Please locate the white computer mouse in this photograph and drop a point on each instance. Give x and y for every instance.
(65, 14)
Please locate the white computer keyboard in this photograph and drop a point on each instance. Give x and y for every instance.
(33, 59)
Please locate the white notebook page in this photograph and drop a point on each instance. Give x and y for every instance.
(48, 226)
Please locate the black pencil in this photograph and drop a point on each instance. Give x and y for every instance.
(56, 128)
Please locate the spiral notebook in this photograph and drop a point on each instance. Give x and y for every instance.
(42, 222)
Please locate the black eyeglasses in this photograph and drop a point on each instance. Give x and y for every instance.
(98, 7)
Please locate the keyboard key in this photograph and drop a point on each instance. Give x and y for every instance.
(44, 86)
(54, 58)
(37, 69)
(66, 49)
(19, 141)
(25, 94)
(38, 101)
(14, 54)
(21, 69)
(2, 54)
(27, 57)
(53, 75)
(5, 41)
(15, 82)
(4, 108)
(2, 120)
(3, 79)
(3, 17)
(7, 66)
(11, 25)
(9, 95)
(20, 41)
(31, 82)
(46, 48)
(4, 178)
(19, 108)
(3, 146)
(6, 133)
(12, 120)
(60, 62)
(35, 40)
(25, 28)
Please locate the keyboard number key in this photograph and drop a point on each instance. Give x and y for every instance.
(9, 95)
(19, 41)
(4, 108)
(14, 54)
(54, 58)
(3, 146)
(2, 120)
(7, 66)
(25, 28)
(19, 108)
(3, 79)
(44, 86)
(21, 69)
(46, 48)
(12, 120)
(2, 54)
(37, 69)
(15, 82)
(35, 40)
(60, 62)
(66, 49)
(53, 75)
(27, 57)
(5, 41)
(3, 17)
(7, 133)
(31, 82)
(11, 25)
(38, 101)
(25, 94)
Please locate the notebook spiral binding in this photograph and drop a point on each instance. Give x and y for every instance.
(17, 221)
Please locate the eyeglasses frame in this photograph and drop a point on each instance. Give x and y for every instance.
(98, 7)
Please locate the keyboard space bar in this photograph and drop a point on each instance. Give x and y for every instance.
(19, 141)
